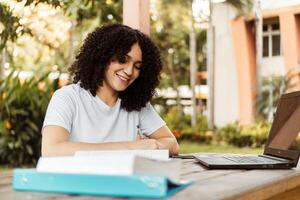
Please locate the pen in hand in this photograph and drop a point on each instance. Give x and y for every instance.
(139, 133)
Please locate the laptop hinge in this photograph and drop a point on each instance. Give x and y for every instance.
(275, 158)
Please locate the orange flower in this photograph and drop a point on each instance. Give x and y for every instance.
(41, 86)
(7, 125)
(176, 133)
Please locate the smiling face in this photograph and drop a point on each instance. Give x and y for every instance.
(121, 72)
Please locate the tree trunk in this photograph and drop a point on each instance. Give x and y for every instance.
(2, 62)
(258, 41)
(71, 44)
(175, 84)
(211, 70)
(193, 66)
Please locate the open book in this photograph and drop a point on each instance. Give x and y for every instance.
(116, 162)
(141, 173)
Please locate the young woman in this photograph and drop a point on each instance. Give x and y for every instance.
(107, 106)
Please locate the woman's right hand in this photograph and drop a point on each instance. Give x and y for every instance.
(150, 144)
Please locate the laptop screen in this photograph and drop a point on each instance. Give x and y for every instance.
(284, 136)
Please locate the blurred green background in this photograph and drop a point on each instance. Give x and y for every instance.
(39, 39)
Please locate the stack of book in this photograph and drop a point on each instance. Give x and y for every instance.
(130, 173)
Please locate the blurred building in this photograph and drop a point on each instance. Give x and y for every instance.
(169, 96)
(235, 55)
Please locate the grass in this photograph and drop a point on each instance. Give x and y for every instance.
(193, 147)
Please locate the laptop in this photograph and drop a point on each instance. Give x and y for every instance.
(281, 150)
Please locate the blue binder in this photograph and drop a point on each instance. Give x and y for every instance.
(86, 184)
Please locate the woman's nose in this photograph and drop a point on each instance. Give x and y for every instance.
(129, 69)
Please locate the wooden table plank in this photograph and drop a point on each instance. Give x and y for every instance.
(241, 184)
(208, 184)
(293, 194)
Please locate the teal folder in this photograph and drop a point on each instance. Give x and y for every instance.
(87, 184)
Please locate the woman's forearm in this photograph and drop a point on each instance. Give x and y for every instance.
(69, 148)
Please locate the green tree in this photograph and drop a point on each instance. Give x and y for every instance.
(73, 19)
(170, 28)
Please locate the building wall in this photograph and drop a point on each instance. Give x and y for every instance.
(298, 35)
(288, 62)
(235, 68)
(277, 4)
(244, 51)
(273, 66)
(289, 31)
(226, 103)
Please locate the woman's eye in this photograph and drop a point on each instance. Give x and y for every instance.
(137, 67)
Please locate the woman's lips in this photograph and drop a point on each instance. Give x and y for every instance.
(123, 78)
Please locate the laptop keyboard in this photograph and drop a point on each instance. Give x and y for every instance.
(249, 159)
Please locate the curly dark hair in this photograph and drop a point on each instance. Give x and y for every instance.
(105, 44)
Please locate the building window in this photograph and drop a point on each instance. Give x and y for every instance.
(271, 39)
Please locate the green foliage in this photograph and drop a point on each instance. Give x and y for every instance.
(176, 120)
(199, 132)
(272, 88)
(82, 10)
(170, 29)
(257, 132)
(202, 124)
(10, 25)
(76, 10)
(22, 108)
(229, 133)
(243, 7)
(254, 135)
(180, 125)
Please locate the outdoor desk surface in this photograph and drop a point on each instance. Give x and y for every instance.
(208, 184)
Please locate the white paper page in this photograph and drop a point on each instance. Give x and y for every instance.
(106, 165)
(161, 154)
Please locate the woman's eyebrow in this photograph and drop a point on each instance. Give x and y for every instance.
(130, 57)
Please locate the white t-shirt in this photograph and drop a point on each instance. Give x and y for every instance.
(89, 119)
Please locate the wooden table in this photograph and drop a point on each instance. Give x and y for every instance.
(208, 184)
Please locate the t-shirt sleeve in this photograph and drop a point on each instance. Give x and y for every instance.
(60, 111)
(149, 120)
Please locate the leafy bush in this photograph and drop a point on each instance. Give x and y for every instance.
(229, 133)
(257, 133)
(22, 108)
(272, 88)
(254, 135)
(198, 133)
(180, 125)
(177, 121)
